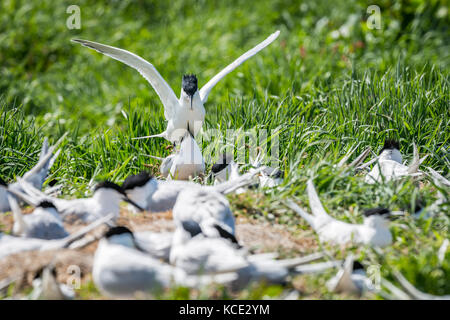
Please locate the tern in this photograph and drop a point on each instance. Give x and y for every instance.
(106, 199)
(43, 223)
(197, 253)
(226, 169)
(210, 209)
(187, 112)
(374, 231)
(11, 244)
(389, 165)
(36, 176)
(187, 163)
(160, 195)
(122, 270)
(221, 170)
(351, 278)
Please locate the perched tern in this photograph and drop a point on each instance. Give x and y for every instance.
(106, 199)
(388, 165)
(43, 223)
(122, 270)
(187, 112)
(374, 231)
(36, 176)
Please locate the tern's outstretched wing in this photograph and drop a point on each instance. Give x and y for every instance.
(204, 91)
(145, 68)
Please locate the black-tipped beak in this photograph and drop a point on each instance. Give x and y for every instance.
(192, 98)
(133, 203)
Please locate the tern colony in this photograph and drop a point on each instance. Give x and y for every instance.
(204, 248)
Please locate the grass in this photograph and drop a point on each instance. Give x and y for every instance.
(325, 85)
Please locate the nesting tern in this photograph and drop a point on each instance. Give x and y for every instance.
(105, 200)
(188, 111)
(43, 223)
(374, 231)
(389, 166)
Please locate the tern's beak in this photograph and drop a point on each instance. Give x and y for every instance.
(126, 199)
(192, 98)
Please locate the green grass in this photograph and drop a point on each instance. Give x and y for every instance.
(319, 94)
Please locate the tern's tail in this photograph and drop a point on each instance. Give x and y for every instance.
(309, 218)
(414, 166)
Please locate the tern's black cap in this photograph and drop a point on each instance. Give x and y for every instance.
(109, 185)
(226, 235)
(189, 84)
(221, 164)
(114, 231)
(357, 265)
(3, 183)
(136, 180)
(376, 211)
(46, 204)
(390, 144)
